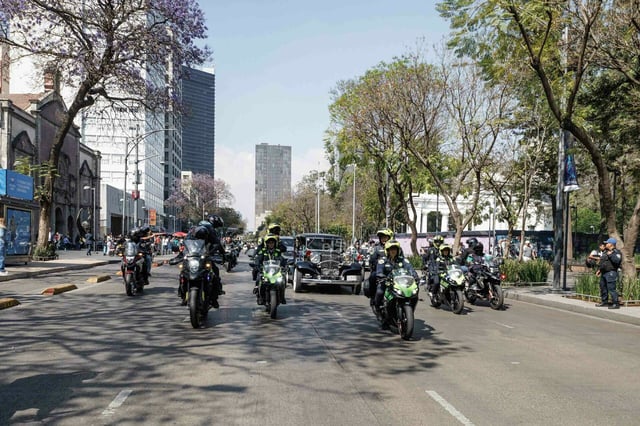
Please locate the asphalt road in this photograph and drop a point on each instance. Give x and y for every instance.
(94, 356)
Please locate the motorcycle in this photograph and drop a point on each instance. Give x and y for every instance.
(271, 285)
(400, 300)
(231, 257)
(488, 279)
(133, 268)
(197, 288)
(450, 292)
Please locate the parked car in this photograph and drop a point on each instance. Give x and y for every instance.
(320, 260)
(289, 255)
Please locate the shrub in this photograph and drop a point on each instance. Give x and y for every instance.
(588, 284)
(416, 262)
(534, 271)
(510, 269)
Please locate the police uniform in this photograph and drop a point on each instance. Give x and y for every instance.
(609, 263)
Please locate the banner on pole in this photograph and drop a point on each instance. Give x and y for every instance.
(570, 173)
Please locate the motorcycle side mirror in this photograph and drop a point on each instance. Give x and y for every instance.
(253, 265)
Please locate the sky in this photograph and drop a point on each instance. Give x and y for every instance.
(276, 63)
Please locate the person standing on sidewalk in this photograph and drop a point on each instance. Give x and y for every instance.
(88, 239)
(608, 272)
(3, 246)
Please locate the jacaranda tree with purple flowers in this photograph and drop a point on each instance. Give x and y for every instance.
(105, 50)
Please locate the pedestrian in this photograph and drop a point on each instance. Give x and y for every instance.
(608, 272)
(528, 253)
(593, 259)
(88, 239)
(3, 246)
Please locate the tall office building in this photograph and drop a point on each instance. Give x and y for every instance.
(273, 178)
(198, 121)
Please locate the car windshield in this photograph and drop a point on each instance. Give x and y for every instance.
(288, 242)
(325, 244)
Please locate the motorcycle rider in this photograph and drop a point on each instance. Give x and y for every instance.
(467, 253)
(272, 229)
(475, 262)
(384, 235)
(269, 251)
(143, 237)
(443, 261)
(431, 261)
(394, 259)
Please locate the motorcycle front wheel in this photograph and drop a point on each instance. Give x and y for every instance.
(273, 299)
(195, 307)
(405, 322)
(129, 283)
(457, 301)
(496, 297)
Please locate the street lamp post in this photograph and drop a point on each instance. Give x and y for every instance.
(93, 214)
(174, 222)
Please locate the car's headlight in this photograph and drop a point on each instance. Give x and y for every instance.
(315, 257)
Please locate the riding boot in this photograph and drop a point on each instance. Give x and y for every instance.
(282, 299)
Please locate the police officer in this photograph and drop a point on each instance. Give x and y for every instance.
(608, 272)
(270, 251)
(384, 235)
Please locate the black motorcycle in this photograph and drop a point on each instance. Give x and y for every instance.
(488, 283)
(231, 257)
(133, 268)
(197, 281)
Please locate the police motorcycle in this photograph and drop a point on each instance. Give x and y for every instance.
(232, 251)
(272, 282)
(450, 291)
(486, 283)
(134, 262)
(399, 302)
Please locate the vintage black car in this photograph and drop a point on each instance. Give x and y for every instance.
(320, 260)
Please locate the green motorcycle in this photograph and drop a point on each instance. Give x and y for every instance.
(400, 300)
(452, 284)
(271, 285)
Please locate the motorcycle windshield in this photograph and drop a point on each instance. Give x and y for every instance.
(271, 267)
(455, 272)
(403, 278)
(194, 247)
(130, 248)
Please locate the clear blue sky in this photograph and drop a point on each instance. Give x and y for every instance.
(276, 63)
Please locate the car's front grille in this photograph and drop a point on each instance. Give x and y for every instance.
(329, 264)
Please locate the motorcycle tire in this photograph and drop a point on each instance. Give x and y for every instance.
(195, 307)
(470, 296)
(229, 266)
(273, 299)
(297, 281)
(405, 322)
(129, 284)
(457, 301)
(435, 301)
(496, 298)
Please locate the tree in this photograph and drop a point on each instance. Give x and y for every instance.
(201, 195)
(104, 50)
(567, 45)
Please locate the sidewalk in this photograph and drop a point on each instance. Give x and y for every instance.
(540, 295)
(67, 261)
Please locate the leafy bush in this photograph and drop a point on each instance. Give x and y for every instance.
(510, 269)
(48, 251)
(534, 271)
(588, 284)
(416, 262)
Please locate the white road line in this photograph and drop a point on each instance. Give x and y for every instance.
(504, 325)
(450, 408)
(117, 402)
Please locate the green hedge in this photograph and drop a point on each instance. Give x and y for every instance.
(589, 284)
(533, 271)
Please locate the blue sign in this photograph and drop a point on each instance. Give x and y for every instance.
(15, 185)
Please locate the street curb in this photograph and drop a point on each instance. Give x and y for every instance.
(8, 302)
(98, 278)
(59, 289)
(600, 313)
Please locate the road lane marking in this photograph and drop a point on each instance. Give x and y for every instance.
(117, 402)
(450, 408)
(504, 325)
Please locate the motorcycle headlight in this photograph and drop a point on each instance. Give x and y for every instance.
(194, 265)
(279, 280)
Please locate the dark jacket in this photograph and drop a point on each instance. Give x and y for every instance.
(610, 261)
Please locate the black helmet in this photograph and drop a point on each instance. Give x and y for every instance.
(274, 228)
(471, 242)
(216, 221)
(478, 249)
